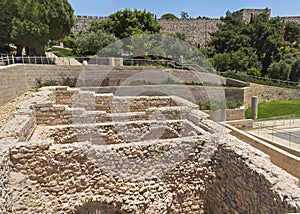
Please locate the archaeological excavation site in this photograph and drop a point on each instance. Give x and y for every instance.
(74, 150)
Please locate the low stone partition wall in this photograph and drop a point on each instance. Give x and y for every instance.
(116, 133)
(108, 102)
(191, 93)
(199, 169)
(65, 178)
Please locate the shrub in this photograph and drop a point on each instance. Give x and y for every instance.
(254, 72)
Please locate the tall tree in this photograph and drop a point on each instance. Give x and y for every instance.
(256, 44)
(7, 12)
(295, 71)
(266, 38)
(126, 23)
(292, 32)
(38, 21)
(90, 43)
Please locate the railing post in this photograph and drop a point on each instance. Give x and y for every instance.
(7, 58)
(29, 62)
(13, 59)
(42, 60)
(35, 59)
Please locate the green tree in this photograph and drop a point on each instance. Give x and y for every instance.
(169, 16)
(38, 21)
(184, 15)
(126, 23)
(280, 70)
(221, 62)
(292, 32)
(267, 38)
(295, 71)
(231, 35)
(90, 43)
(239, 61)
(7, 12)
(253, 71)
(256, 44)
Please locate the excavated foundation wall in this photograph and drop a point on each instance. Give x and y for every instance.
(200, 172)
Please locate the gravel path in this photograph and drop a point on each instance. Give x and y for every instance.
(7, 110)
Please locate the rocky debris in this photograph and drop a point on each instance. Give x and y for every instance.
(7, 110)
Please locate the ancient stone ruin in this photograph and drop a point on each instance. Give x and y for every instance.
(73, 151)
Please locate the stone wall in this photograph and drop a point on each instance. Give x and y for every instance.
(246, 14)
(269, 93)
(209, 171)
(84, 22)
(292, 19)
(197, 30)
(17, 79)
(246, 182)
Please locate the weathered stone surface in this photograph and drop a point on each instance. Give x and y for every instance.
(193, 167)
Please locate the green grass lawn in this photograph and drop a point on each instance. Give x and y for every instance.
(61, 52)
(276, 108)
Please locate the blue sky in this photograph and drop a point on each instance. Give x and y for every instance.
(195, 8)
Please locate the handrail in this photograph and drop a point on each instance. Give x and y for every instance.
(287, 82)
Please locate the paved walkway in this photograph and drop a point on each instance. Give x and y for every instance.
(284, 132)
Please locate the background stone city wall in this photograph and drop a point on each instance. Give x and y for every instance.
(197, 30)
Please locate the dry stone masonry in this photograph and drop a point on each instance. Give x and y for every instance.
(73, 151)
(197, 30)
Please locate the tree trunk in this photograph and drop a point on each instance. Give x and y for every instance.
(39, 49)
(19, 50)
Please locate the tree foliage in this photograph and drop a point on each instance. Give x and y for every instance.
(7, 12)
(184, 15)
(279, 70)
(169, 16)
(295, 71)
(90, 43)
(267, 44)
(126, 23)
(33, 23)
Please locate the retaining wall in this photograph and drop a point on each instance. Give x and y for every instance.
(269, 93)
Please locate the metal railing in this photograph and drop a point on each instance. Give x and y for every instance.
(8, 60)
(251, 78)
(282, 130)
